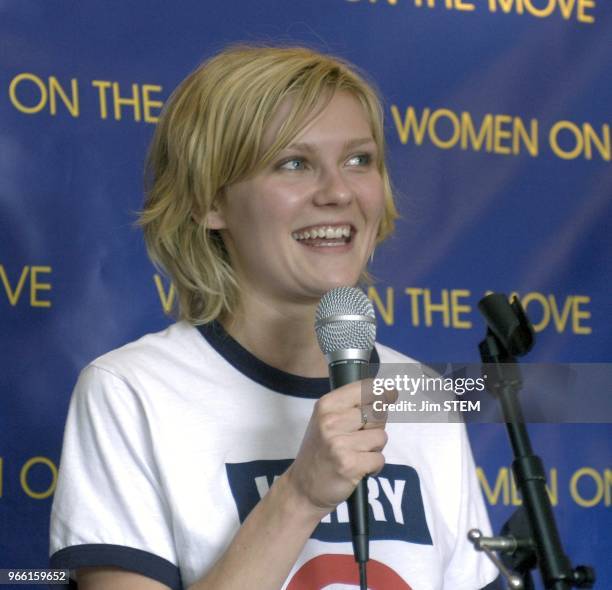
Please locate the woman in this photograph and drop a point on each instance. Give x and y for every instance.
(212, 455)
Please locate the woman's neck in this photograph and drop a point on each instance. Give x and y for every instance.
(280, 336)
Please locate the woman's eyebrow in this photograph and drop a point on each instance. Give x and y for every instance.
(350, 144)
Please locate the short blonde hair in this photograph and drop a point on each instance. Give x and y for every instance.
(209, 136)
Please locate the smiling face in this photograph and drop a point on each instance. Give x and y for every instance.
(307, 222)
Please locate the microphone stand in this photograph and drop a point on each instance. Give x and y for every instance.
(531, 538)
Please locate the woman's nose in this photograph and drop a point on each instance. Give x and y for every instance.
(334, 189)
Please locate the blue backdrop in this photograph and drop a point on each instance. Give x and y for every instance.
(498, 122)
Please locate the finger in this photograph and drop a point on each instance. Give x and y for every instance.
(353, 419)
(370, 417)
(350, 420)
(371, 463)
(366, 441)
(370, 393)
(347, 396)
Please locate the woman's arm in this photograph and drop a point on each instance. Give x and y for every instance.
(103, 578)
(260, 556)
(335, 454)
(267, 545)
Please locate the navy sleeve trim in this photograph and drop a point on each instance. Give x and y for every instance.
(127, 558)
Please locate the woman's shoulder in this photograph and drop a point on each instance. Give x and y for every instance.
(157, 352)
(149, 372)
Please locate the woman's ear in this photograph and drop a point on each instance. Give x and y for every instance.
(215, 219)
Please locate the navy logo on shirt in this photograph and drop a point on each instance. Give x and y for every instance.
(394, 495)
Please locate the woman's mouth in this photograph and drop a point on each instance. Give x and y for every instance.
(324, 236)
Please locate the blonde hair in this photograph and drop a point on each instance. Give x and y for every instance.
(209, 136)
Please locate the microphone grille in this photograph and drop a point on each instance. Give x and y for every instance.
(336, 333)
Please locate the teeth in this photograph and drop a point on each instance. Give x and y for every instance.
(329, 233)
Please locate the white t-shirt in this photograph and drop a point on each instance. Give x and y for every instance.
(171, 440)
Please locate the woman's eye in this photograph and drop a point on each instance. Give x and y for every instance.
(293, 164)
(360, 160)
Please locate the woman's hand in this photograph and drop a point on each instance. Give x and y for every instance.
(338, 450)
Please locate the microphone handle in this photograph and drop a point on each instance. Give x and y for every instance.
(341, 373)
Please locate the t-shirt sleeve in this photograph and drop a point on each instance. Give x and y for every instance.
(109, 507)
(469, 569)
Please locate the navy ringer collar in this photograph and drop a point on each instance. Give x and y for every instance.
(256, 370)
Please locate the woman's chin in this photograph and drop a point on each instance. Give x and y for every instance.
(326, 284)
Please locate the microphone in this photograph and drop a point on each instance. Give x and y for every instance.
(346, 330)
